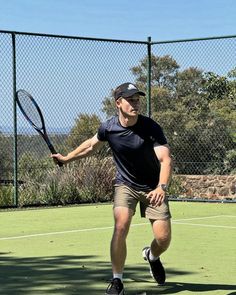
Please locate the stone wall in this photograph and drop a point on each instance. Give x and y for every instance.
(206, 186)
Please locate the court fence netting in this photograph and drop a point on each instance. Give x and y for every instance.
(191, 92)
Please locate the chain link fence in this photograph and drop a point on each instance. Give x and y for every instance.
(72, 80)
(201, 75)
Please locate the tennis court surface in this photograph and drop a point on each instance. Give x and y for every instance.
(66, 251)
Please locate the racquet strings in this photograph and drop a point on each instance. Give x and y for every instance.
(30, 109)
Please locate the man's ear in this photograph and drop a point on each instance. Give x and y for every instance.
(117, 102)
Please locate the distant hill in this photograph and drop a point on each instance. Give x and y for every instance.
(30, 131)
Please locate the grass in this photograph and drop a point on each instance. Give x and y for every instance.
(66, 251)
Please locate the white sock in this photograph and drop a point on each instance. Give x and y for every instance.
(152, 257)
(118, 276)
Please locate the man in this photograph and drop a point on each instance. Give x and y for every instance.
(143, 164)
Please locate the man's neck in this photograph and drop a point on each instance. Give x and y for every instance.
(128, 121)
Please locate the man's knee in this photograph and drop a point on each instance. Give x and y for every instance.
(162, 233)
(163, 241)
(121, 230)
(123, 218)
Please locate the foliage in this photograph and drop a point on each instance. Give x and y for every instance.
(216, 87)
(95, 176)
(230, 162)
(6, 156)
(6, 196)
(163, 71)
(76, 183)
(175, 187)
(109, 107)
(85, 127)
(196, 109)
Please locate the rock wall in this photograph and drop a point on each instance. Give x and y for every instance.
(206, 186)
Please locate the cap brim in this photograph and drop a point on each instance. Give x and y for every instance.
(132, 92)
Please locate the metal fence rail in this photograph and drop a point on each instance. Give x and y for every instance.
(73, 77)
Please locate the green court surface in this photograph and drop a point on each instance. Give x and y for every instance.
(66, 251)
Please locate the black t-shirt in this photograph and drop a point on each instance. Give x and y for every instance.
(133, 151)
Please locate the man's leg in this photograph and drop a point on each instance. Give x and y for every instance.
(162, 238)
(122, 217)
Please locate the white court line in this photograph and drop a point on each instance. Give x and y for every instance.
(228, 215)
(177, 221)
(66, 232)
(195, 218)
(204, 225)
(57, 233)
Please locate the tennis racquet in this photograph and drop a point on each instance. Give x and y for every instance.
(34, 116)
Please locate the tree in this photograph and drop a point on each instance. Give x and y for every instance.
(6, 156)
(196, 110)
(85, 127)
(163, 71)
(109, 107)
(216, 87)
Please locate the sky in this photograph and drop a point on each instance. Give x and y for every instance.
(121, 19)
(136, 20)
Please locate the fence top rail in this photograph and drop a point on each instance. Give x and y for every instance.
(117, 40)
(73, 37)
(195, 39)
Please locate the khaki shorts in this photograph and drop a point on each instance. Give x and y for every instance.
(128, 197)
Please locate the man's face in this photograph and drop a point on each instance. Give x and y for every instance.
(129, 106)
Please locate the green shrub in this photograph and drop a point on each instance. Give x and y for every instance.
(6, 196)
(86, 181)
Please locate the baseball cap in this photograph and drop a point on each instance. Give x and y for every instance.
(127, 90)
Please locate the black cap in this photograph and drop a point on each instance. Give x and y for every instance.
(127, 90)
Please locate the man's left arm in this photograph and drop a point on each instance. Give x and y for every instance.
(157, 195)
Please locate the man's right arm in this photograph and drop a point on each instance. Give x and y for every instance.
(85, 149)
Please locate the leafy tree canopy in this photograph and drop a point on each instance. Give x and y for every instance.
(196, 109)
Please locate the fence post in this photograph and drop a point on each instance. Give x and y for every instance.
(14, 120)
(149, 65)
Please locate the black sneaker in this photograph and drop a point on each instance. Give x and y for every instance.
(115, 288)
(156, 268)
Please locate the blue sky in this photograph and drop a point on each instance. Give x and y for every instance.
(123, 19)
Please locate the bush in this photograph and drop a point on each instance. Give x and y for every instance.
(6, 196)
(86, 181)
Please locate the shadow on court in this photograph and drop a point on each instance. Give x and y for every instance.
(192, 288)
(52, 275)
(172, 287)
(84, 275)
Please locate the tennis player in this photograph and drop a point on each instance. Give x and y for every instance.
(143, 162)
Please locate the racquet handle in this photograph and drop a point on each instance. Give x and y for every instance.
(53, 151)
